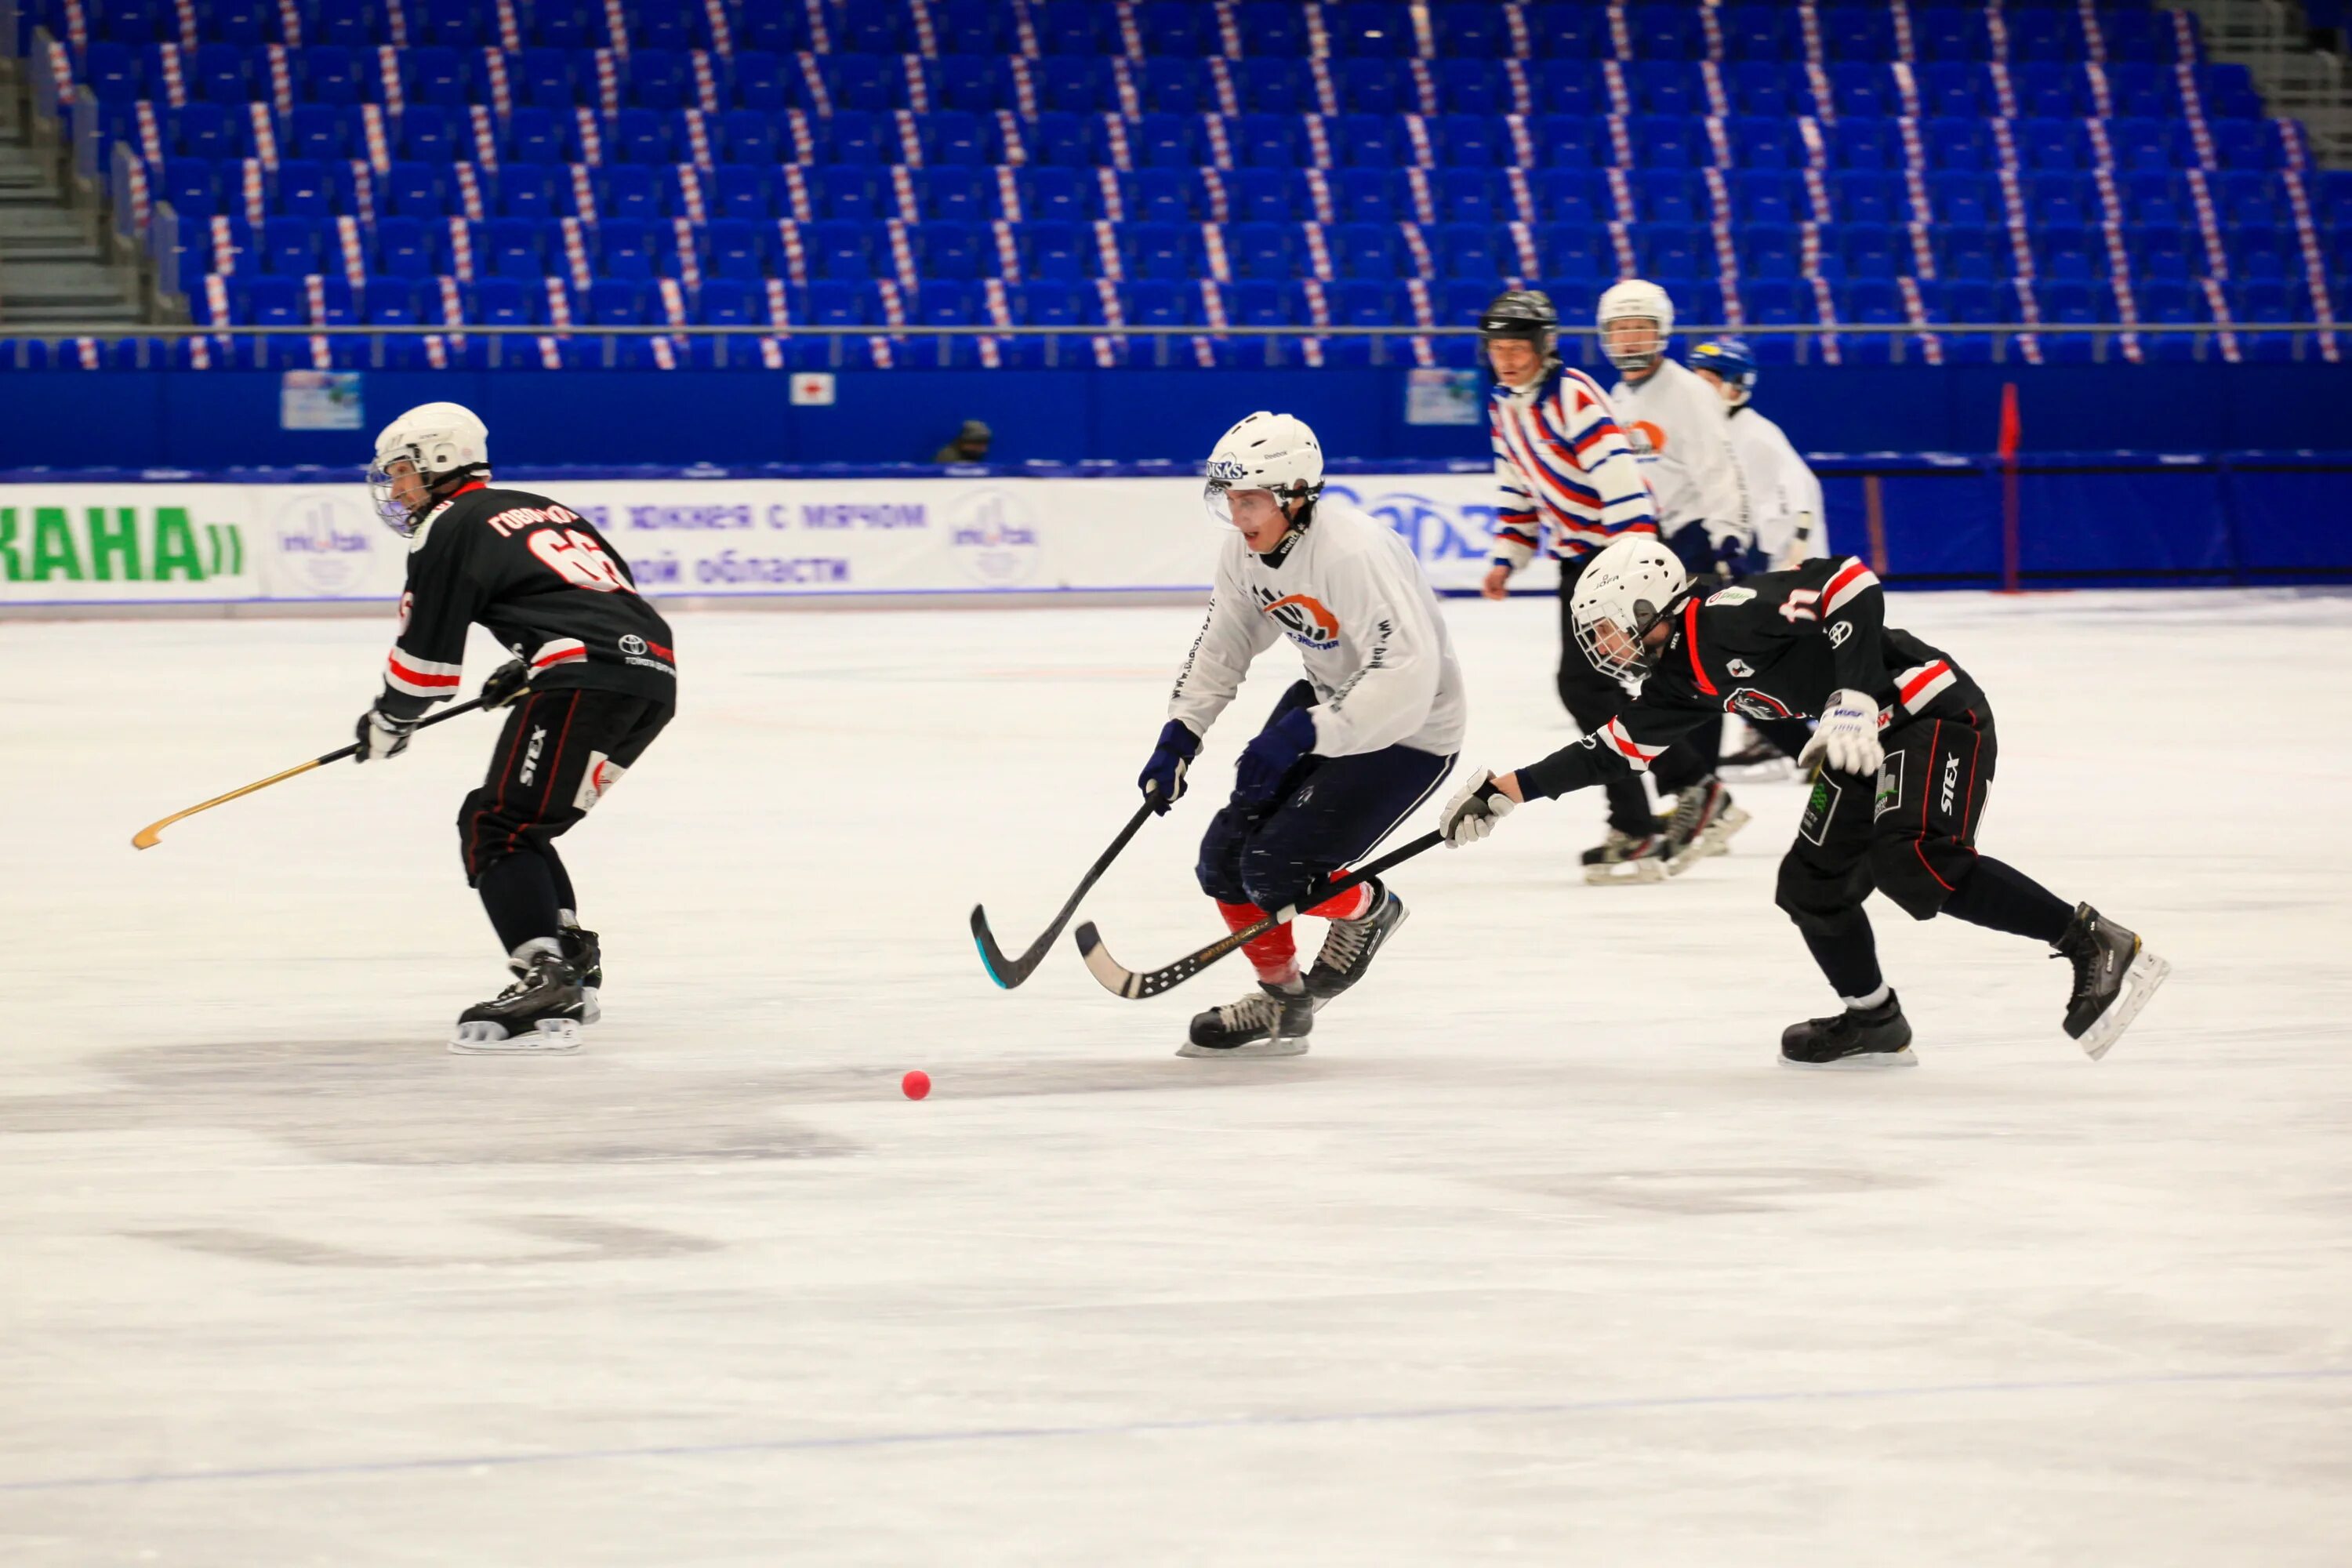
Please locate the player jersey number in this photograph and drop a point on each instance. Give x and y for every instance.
(579, 560)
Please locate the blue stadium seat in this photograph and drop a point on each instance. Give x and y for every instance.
(951, 250)
(867, 83)
(1868, 250)
(1070, 84)
(1973, 255)
(1570, 86)
(1371, 29)
(1275, 28)
(1763, 143)
(1055, 195)
(955, 194)
(2145, 144)
(1371, 141)
(527, 190)
(734, 248)
(1664, 142)
(760, 84)
(432, 134)
(625, 249)
(414, 189)
(1177, 29)
(1059, 139)
(1960, 144)
(2048, 89)
(627, 192)
(1865, 143)
(2061, 198)
(1168, 140)
(1366, 250)
(1471, 31)
(1864, 90)
(1260, 250)
(1766, 196)
(1573, 250)
(303, 189)
(1570, 195)
(1667, 196)
(1764, 87)
(512, 248)
(188, 184)
(538, 135)
(1266, 140)
(403, 248)
(1051, 250)
(1165, 251)
(1466, 196)
(1365, 195)
(660, 79)
(209, 131)
(1369, 85)
(1265, 195)
(1571, 141)
(1964, 199)
(848, 192)
(972, 84)
(1771, 250)
(1070, 27)
(1956, 88)
(1274, 85)
(1671, 87)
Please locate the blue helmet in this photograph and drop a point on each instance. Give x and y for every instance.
(1731, 359)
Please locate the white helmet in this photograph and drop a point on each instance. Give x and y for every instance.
(1265, 451)
(1636, 297)
(1623, 591)
(438, 439)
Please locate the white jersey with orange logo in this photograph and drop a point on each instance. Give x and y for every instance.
(1349, 593)
(1675, 423)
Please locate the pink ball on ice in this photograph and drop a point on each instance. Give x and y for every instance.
(917, 1084)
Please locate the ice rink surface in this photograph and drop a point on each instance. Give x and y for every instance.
(1538, 1257)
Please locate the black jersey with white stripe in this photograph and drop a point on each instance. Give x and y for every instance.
(544, 583)
(1775, 645)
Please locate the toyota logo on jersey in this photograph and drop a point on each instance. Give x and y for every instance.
(1303, 619)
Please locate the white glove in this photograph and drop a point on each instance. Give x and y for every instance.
(1473, 812)
(380, 734)
(1847, 738)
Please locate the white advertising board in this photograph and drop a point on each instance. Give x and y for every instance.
(101, 544)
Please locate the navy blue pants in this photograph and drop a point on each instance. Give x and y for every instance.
(1328, 815)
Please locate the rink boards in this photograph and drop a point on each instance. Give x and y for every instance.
(209, 543)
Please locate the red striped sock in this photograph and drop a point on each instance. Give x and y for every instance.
(1353, 905)
(1275, 956)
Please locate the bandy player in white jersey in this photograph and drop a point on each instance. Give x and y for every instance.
(1676, 426)
(1347, 753)
(1785, 501)
(1784, 495)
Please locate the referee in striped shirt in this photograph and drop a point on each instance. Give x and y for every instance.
(1566, 469)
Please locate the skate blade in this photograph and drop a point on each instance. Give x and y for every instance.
(2146, 972)
(1870, 1061)
(1286, 1045)
(551, 1036)
(1717, 836)
(1625, 871)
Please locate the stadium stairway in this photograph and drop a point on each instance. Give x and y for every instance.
(51, 268)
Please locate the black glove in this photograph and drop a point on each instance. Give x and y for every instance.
(383, 735)
(506, 683)
(1705, 558)
(1163, 781)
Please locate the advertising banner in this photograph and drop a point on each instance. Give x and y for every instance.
(163, 543)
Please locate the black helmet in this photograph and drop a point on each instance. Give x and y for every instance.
(1520, 315)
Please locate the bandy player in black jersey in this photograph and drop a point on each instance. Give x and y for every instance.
(1907, 742)
(591, 683)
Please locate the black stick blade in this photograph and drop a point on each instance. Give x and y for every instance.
(1007, 973)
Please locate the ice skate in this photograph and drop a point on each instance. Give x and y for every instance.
(1856, 1039)
(582, 951)
(1269, 1022)
(2114, 974)
(541, 1011)
(1626, 857)
(1703, 824)
(1349, 945)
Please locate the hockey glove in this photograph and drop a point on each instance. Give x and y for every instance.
(1473, 812)
(383, 735)
(1847, 738)
(1163, 781)
(506, 684)
(1267, 760)
(1703, 556)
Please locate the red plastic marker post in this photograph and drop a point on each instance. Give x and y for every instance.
(917, 1084)
(2010, 548)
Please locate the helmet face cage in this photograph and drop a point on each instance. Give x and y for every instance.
(1618, 652)
(380, 482)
